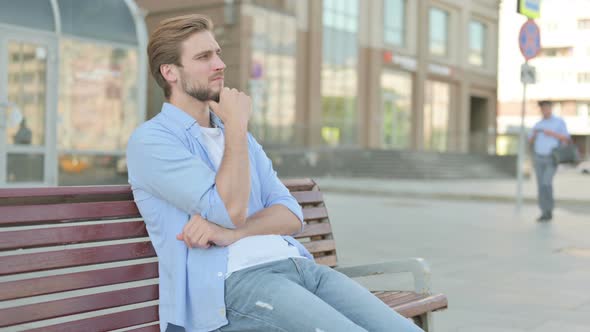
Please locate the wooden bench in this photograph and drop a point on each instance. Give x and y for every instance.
(79, 259)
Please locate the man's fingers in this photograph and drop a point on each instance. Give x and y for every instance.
(180, 237)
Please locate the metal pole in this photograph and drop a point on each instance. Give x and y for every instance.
(521, 151)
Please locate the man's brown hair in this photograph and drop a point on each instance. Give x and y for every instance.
(165, 43)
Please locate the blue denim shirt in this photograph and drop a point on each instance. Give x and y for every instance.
(172, 178)
(544, 144)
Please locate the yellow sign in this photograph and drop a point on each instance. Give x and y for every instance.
(529, 8)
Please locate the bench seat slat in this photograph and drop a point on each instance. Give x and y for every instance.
(30, 214)
(77, 305)
(66, 282)
(71, 234)
(107, 322)
(421, 306)
(151, 328)
(74, 257)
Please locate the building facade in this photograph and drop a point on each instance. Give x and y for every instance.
(384, 74)
(562, 67)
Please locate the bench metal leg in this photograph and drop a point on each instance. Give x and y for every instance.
(425, 322)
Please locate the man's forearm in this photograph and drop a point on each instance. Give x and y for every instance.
(276, 219)
(233, 177)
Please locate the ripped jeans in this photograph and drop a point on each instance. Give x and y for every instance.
(297, 295)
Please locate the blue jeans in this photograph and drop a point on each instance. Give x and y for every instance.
(298, 295)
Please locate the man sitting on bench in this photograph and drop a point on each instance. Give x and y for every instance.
(218, 216)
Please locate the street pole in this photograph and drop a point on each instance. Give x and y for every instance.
(521, 150)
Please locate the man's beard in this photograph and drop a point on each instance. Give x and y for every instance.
(199, 93)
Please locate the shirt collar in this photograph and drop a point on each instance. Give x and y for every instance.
(186, 121)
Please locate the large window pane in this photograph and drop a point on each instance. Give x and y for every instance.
(272, 76)
(78, 169)
(24, 167)
(394, 22)
(439, 32)
(102, 20)
(436, 115)
(396, 89)
(339, 73)
(97, 108)
(36, 14)
(477, 39)
(27, 89)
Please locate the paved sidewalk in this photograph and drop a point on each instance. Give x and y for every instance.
(569, 187)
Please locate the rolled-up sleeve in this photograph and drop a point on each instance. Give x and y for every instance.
(272, 189)
(162, 166)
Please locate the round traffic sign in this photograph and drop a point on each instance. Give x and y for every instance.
(529, 39)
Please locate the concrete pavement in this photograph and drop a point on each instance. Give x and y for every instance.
(501, 271)
(569, 187)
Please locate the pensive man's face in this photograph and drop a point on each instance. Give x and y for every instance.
(201, 74)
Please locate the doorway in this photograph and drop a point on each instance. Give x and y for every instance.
(478, 124)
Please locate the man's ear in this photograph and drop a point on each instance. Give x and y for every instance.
(169, 72)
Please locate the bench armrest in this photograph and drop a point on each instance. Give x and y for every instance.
(417, 266)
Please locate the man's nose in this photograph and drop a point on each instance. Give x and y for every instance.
(218, 64)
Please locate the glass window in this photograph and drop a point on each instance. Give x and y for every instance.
(477, 41)
(436, 115)
(339, 72)
(584, 24)
(394, 22)
(36, 14)
(97, 107)
(103, 20)
(24, 167)
(272, 76)
(396, 89)
(584, 77)
(439, 32)
(91, 169)
(27, 69)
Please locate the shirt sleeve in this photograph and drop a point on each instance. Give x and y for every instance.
(162, 166)
(272, 189)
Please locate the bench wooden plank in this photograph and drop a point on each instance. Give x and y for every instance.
(315, 230)
(421, 306)
(320, 246)
(28, 214)
(106, 322)
(66, 282)
(151, 328)
(299, 184)
(67, 191)
(71, 234)
(315, 213)
(326, 260)
(77, 305)
(74, 257)
(308, 197)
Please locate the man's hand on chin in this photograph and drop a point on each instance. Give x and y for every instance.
(201, 233)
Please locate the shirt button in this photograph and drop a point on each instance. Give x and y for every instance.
(220, 274)
(222, 311)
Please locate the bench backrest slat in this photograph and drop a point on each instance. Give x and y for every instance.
(74, 257)
(31, 214)
(109, 322)
(77, 305)
(31, 238)
(75, 239)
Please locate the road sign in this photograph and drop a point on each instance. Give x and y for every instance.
(529, 39)
(529, 8)
(528, 74)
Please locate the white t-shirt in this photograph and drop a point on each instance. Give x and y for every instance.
(252, 250)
